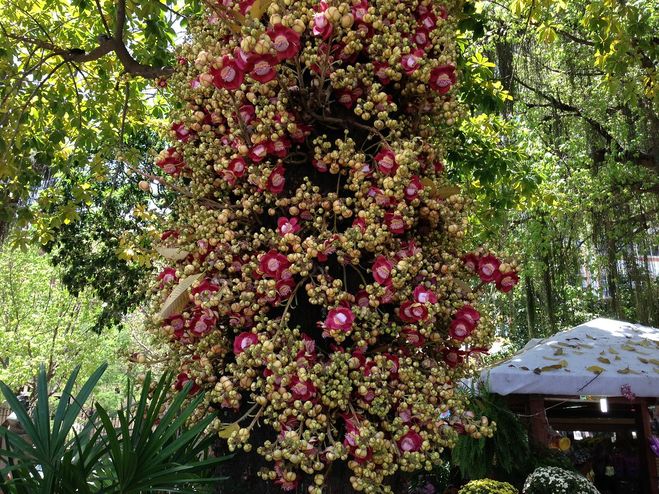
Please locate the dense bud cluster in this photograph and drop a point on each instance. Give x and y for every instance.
(316, 287)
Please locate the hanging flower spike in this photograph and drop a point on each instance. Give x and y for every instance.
(442, 78)
(230, 76)
(276, 180)
(382, 270)
(410, 442)
(264, 68)
(386, 161)
(243, 341)
(285, 41)
(286, 225)
(507, 281)
(339, 318)
(488, 268)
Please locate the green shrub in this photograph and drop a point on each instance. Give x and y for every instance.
(488, 486)
(553, 480)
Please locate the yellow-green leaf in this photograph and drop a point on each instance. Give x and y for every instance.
(595, 368)
(604, 360)
(228, 429)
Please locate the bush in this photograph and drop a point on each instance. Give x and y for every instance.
(553, 480)
(488, 486)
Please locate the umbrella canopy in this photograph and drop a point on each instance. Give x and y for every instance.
(597, 358)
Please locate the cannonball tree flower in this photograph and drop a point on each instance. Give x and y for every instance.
(322, 26)
(285, 41)
(171, 163)
(229, 76)
(243, 341)
(382, 270)
(279, 147)
(471, 261)
(413, 337)
(413, 188)
(461, 328)
(244, 61)
(181, 132)
(386, 161)
(340, 319)
(395, 223)
(424, 295)
(412, 312)
(167, 275)
(264, 69)
(273, 264)
(442, 78)
(302, 390)
(453, 356)
(182, 379)
(203, 322)
(469, 313)
(488, 268)
(412, 61)
(258, 152)
(410, 442)
(276, 180)
(287, 225)
(204, 288)
(507, 281)
(421, 37)
(380, 70)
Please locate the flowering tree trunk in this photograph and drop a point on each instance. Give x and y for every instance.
(317, 288)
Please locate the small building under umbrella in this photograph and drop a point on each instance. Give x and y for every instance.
(596, 384)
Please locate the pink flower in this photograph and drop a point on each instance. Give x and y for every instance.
(442, 78)
(471, 261)
(230, 76)
(247, 113)
(273, 264)
(360, 223)
(183, 134)
(360, 10)
(302, 390)
(301, 132)
(182, 379)
(264, 68)
(413, 188)
(438, 166)
(386, 161)
(382, 270)
(395, 223)
(507, 281)
(380, 70)
(285, 41)
(203, 322)
(244, 61)
(285, 485)
(412, 312)
(421, 37)
(453, 356)
(428, 20)
(172, 163)
(276, 180)
(258, 152)
(469, 313)
(424, 296)
(167, 275)
(321, 166)
(322, 26)
(461, 328)
(362, 298)
(285, 225)
(169, 234)
(235, 170)
(279, 147)
(412, 61)
(205, 287)
(410, 442)
(339, 318)
(413, 337)
(243, 341)
(285, 288)
(488, 268)
(347, 98)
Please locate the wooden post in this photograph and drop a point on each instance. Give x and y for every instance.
(648, 460)
(539, 432)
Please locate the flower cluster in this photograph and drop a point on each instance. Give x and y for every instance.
(316, 287)
(487, 486)
(554, 480)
